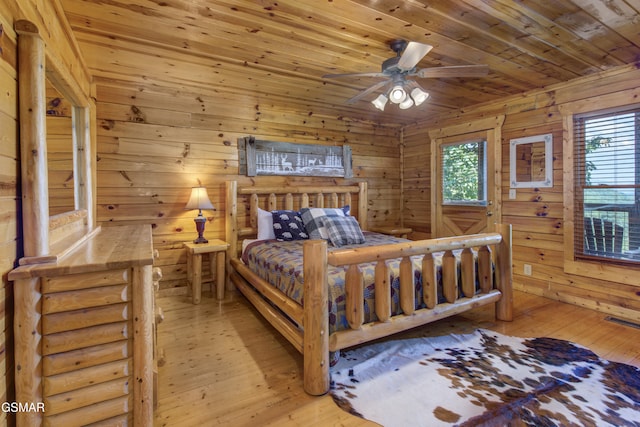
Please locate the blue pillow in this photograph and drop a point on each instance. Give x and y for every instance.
(288, 225)
(343, 230)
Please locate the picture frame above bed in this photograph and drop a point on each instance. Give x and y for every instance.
(259, 157)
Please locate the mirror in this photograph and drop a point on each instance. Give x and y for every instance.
(56, 152)
(60, 175)
(531, 161)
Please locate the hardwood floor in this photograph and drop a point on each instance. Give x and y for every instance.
(226, 366)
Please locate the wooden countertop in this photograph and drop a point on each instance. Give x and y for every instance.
(110, 248)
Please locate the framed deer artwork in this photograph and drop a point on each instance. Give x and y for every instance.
(257, 157)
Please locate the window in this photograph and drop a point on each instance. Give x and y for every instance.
(464, 167)
(607, 186)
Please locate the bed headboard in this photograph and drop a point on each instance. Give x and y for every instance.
(242, 203)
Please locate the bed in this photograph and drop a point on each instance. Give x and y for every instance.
(456, 274)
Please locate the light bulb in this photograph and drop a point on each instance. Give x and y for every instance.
(397, 94)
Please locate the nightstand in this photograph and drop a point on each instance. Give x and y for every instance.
(195, 251)
(392, 231)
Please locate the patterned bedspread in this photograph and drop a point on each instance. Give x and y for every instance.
(280, 263)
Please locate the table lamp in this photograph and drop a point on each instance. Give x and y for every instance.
(199, 199)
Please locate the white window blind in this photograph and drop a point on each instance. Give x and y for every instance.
(607, 186)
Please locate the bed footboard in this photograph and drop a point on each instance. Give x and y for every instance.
(316, 341)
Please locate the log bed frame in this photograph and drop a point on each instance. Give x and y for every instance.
(307, 327)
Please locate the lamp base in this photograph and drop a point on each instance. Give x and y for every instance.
(200, 222)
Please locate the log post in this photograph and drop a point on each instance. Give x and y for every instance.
(316, 318)
(382, 291)
(272, 202)
(504, 277)
(429, 281)
(407, 287)
(142, 288)
(354, 296)
(333, 200)
(485, 270)
(468, 273)
(363, 208)
(288, 201)
(33, 140)
(231, 227)
(449, 277)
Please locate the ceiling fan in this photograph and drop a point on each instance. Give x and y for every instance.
(396, 87)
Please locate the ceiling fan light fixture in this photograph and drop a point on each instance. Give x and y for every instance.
(397, 94)
(407, 103)
(419, 95)
(380, 102)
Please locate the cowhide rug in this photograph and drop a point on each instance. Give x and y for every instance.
(485, 379)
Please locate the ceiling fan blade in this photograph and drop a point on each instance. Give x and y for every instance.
(331, 76)
(413, 53)
(453, 71)
(367, 91)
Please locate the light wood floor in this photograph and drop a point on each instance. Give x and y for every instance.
(225, 366)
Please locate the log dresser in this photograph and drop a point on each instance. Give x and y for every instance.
(84, 332)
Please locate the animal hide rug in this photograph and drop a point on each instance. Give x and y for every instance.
(485, 379)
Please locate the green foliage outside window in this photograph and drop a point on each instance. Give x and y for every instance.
(463, 172)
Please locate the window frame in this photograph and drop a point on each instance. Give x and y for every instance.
(603, 269)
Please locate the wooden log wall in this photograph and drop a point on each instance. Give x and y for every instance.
(9, 236)
(155, 143)
(536, 213)
(57, 37)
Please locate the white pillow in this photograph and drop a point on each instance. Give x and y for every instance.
(265, 225)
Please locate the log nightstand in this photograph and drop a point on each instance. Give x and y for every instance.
(194, 266)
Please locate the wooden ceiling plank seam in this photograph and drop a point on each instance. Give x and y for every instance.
(95, 35)
(239, 87)
(464, 54)
(621, 16)
(449, 42)
(273, 54)
(547, 31)
(359, 88)
(229, 27)
(441, 16)
(612, 39)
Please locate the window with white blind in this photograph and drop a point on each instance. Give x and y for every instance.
(607, 186)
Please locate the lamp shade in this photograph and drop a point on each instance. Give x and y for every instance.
(407, 103)
(199, 199)
(419, 96)
(380, 102)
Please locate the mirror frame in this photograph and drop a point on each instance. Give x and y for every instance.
(548, 161)
(48, 238)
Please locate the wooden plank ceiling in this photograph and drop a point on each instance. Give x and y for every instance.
(278, 51)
